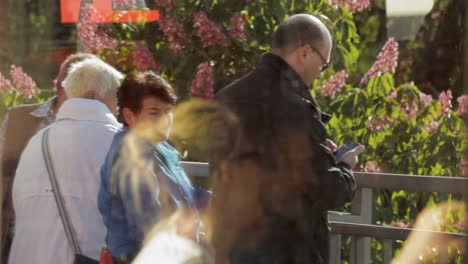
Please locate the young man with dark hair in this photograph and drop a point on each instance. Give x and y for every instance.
(142, 179)
(143, 95)
(284, 125)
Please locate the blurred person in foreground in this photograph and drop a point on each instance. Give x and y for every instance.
(212, 131)
(284, 132)
(423, 246)
(79, 140)
(142, 180)
(237, 220)
(19, 125)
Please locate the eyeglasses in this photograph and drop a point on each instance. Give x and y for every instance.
(325, 64)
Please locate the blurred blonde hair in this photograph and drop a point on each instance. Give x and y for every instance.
(207, 130)
(138, 171)
(426, 247)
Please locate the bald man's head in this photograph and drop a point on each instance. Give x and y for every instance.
(299, 30)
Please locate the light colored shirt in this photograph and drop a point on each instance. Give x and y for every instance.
(79, 141)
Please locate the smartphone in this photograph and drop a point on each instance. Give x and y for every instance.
(343, 149)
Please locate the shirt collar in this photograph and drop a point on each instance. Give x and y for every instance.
(86, 110)
(46, 110)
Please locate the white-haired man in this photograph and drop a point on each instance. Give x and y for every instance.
(80, 138)
(19, 125)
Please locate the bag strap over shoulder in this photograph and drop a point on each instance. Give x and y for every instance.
(67, 225)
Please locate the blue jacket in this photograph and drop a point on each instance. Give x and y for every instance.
(129, 213)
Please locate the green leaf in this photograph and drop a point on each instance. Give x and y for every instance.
(387, 84)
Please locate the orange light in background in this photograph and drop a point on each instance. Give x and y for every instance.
(70, 12)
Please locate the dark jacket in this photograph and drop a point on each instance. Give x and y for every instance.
(274, 105)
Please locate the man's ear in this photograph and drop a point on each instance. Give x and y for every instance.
(128, 116)
(301, 54)
(305, 51)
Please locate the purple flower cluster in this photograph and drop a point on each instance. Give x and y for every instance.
(410, 109)
(174, 31)
(330, 87)
(203, 84)
(143, 58)
(377, 123)
(371, 166)
(5, 84)
(352, 5)
(209, 33)
(386, 61)
(462, 104)
(431, 126)
(93, 37)
(23, 83)
(426, 99)
(236, 27)
(445, 100)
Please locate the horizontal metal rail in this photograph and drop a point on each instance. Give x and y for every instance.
(196, 169)
(385, 232)
(390, 181)
(357, 224)
(418, 183)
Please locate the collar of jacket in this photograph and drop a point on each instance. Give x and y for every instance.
(295, 83)
(46, 110)
(86, 110)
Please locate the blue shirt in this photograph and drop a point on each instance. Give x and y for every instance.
(129, 211)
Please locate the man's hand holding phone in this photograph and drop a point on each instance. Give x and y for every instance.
(349, 153)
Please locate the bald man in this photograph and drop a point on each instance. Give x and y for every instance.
(284, 131)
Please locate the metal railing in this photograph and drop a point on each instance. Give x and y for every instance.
(358, 223)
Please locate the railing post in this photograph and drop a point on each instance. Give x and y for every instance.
(387, 251)
(335, 249)
(361, 246)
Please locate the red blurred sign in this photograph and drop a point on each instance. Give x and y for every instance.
(70, 12)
